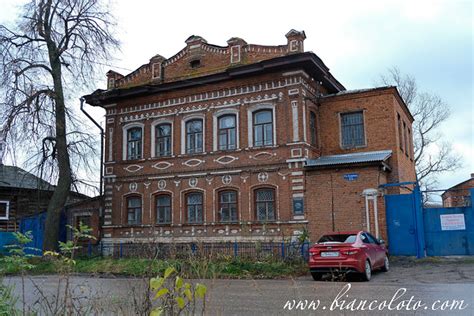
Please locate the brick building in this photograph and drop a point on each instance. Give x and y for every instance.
(246, 142)
(458, 195)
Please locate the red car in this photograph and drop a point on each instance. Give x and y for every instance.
(356, 251)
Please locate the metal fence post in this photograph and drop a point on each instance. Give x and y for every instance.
(101, 249)
(236, 249)
(193, 248)
(121, 250)
(283, 250)
(89, 249)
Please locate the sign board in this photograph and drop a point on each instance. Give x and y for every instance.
(452, 222)
(298, 206)
(351, 176)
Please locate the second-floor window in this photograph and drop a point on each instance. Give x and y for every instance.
(194, 206)
(163, 140)
(227, 132)
(263, 128)
(134, 210)
(134, 143)
(352, 129)
(194, 136)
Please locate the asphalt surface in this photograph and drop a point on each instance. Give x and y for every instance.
(405, 290)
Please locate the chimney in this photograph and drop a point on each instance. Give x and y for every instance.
(112, 76)
(295, 42)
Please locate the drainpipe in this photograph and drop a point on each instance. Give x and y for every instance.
(101, 147)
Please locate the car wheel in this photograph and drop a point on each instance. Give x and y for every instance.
(316, 276)
(367, 274)
(386, 264)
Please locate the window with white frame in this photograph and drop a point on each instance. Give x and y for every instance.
(163, 140)
(163, 209)
(195, 207)
(4, 210)
(352, 129)
(194, 136)
(134, 210)
(265, 204)
(263, 128)
(134, 143)
(228, 206)
(227, 132)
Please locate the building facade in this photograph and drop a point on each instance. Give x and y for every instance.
(246, 142)
(459, 195)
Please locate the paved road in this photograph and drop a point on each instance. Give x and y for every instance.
(430, 285)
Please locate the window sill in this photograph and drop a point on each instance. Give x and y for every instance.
(353, 147)
(161, 158)
(133, 160)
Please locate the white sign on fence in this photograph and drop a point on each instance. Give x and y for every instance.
(452, 222)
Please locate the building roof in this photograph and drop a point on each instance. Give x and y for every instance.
(355, 158)
(15, 177)
(455, 187)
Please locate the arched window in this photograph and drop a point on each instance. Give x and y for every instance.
(134, 143)
(194, 136)
(163, 140)
(163, 209)
(228, 206)
(194, 207)
(134, 210)
(265, 204)
(312, 128)
(263, 128)
(227, 132)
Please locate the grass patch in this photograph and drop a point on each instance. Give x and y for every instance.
(190, 268)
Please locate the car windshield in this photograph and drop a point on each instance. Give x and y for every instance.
(342, 238)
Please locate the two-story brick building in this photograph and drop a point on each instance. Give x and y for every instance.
(246, 142)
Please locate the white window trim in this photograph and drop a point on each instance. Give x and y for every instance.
(7, 210)
(215, 125)
(183, 132)
(153, 138)
(250, 112)
(125, 128)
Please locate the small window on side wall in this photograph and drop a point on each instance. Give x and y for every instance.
(4, 210)
(352, 130)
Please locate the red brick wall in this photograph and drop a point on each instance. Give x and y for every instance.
(332, 194)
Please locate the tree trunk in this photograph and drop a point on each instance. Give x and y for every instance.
(61, 193)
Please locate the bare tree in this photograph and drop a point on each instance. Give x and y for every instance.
(433, 155)
(46, 57)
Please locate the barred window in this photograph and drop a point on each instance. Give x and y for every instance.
(265, 204)
(352, 129)
(163, 140)
(263, 128)
(163, 209)
(227, 132)
(194, 206)
(194, 130)
(134, 210)
(134, 143)
(228, 206)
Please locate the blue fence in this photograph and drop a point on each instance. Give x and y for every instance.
(5, 240)
(254, 251)
(417, 231)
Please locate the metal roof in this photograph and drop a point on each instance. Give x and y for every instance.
(15, 177)
(363, 157)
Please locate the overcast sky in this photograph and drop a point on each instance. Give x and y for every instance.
(357, 40)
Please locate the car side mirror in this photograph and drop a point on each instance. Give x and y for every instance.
(382, 242)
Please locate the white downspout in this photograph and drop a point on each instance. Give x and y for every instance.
(367, 215)
(376, 217)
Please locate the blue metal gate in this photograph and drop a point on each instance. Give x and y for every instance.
(35, 224)
(405, 223)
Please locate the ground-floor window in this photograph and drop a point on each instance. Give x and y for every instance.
(163, 209)
(194, 206)
(228, 206)
(265, 204)
(134, 210)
